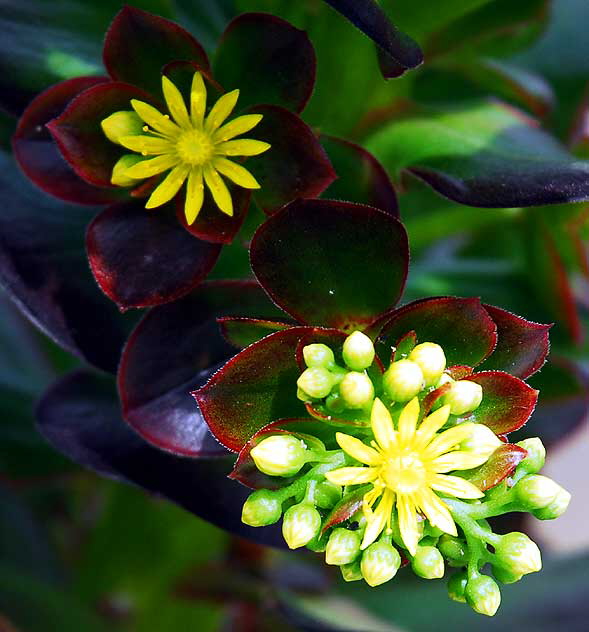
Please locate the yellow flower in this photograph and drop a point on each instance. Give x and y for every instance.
(193, 148)
(406, 467)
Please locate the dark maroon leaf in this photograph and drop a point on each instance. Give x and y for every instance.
(361, 178)
(268, 59)
(139, 44)
(145, 257)
(80, 417)
(346, 508)
(38, 155)
(241, 332)
(507, 402)
(295, 166)
(331, 263)
(461, 326)
(499, 466)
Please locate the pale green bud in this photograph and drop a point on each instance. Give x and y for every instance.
(431, 360)
(444, 379)
(343, 547)
(351, 572)
(518, 554)
(428, 563)
(505, 576)
(380, 563)
(453, 549)
(483, 595)
(356, 390)
(534, 462)
(536, 491)
(482, 441)
(300, 525)
(318, 355)
(463, 397)
(338, 373)
(457, 586)
(403, 380)
(122, 123)
(358, 351)
(261, 508)
(119, 175)
(280, 455)
(327, 494)
(556, 508)
(316, 382)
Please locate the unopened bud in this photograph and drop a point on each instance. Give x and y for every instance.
(300, 525)
(356, 390)
(431, 360)
(457, 586)
(556, 508)
(534, 462)
(261, 508)
(463, 397)
(119, 175)
(316, 382)
(505, 576)
(279, 455)
(122, 123)
(351, 572)
(318, 355)
(444, 379)
(335, 402)
(358, 351)
(327, 494)
(518, 554)
(403, 380)
(380, 563)
(343, 547)
(482, 441)
(453, 549)
(428, 563)
(483, 595)
(536, 491)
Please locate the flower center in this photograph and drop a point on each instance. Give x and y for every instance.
(405, 473)
(195, 147)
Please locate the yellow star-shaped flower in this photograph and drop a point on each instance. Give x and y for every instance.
(408, 467)
(193, 148)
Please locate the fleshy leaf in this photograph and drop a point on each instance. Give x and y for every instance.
(139, 44)
(241, 332)
(142, 258)
(268, 59)
(361, 178)
(80, 417)
(170, 353)
(398, 52)
(295, 166)
(487, 155)
(331, 263)
(507, 404)
(522, 346)
(404, 346)
(461, 326)
(499, 466)
(345, 508)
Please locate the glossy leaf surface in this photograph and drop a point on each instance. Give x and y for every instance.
(499, 466)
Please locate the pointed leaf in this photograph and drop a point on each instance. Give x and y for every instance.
(346, 508)
(241, 332)
(499, 466)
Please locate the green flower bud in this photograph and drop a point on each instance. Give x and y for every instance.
(351, 572)
(318, 355)
(279, 455)
(518, 554)
(123, 123)
(380, 563)
(536, 491)
(431, 360)
(335, 402)
(303, 396)
(338, 373)
(463, 397)
(316, 382)
(505, 576)
(457, 586)
(261, 508)
(556, 508)
(403, 380)
(327, 494)
(356, 390)
(483, 595)
(534, 462)
(343, 547)
(444, 379)
(428, 563)
(358, 351)
(301, 524)
(482, 441)
(119, 175)
(453, 549)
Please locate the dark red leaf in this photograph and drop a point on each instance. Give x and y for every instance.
(241, 332)
(345, 509)
(499, 466)
(142, 258)
(331, 263)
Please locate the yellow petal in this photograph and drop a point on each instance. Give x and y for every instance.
(155, 119)
(242, 147)
(147, 145)
(458, 461)
(153, 166)
(175, 103)
(436, 511)
(382, 425)
(358, 450)
(408, 421)
(221, 110)
(198, 100)
(219, 190)
(236, 173)
(408, 522)
(194, 195)
(378, 519)
(168, 188)
(455, 486)
(448, 439)
(430, 425)
(352, 475)
(237, 126)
